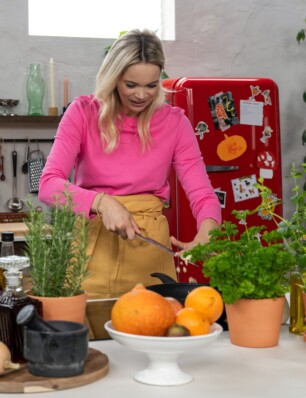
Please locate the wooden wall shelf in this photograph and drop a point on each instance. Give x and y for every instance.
(29, 119)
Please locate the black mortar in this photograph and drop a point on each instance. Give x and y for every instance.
(54, 348)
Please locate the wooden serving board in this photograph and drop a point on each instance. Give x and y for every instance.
(21, 381)
(19, 228)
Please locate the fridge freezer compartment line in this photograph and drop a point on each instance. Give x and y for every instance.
(217, 169)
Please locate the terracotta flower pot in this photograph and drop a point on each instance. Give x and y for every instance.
(255, 323)
(71, 308)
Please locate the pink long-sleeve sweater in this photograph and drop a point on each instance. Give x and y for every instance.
(127, 170)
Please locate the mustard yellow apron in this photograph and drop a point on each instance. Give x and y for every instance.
(117, 265)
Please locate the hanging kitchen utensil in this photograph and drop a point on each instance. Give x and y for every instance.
(0, 156)
(2, 177)
(25, 167)
(15, 204)
(35, 168)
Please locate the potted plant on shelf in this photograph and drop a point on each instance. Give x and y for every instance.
(254, 268)
(56, 244)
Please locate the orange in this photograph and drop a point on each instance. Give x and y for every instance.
(207, 301)
(176, 305)
(193, 321)
(142, 311)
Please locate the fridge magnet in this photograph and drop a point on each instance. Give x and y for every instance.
(266, 134)
(272, 201)
(243, 188)
(266, 162)
(223, 110)
(181, 267)
(232, 147)
(255, 90)
(221, 196)
(251, 112)
(201, 129)
(267, 98)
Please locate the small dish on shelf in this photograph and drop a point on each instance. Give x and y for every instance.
(163, 352)
(8, 105)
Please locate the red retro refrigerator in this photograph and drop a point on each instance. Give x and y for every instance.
(236, 122)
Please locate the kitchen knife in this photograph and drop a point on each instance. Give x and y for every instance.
(162, 247)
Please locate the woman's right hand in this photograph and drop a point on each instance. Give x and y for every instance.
(116, 217)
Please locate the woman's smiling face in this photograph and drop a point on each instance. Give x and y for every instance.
(138, 87)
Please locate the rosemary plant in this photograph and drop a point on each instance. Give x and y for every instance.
(56, 244)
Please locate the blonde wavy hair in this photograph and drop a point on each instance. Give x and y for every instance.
(132, 48)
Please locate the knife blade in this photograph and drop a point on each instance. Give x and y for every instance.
(155, 243)
(163, 247)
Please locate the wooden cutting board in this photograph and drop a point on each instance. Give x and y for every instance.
(19, 228)
(21, 381)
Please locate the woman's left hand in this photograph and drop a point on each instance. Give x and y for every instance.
(183, 246)
(201, 237)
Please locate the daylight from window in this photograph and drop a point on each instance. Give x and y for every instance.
(100, 18)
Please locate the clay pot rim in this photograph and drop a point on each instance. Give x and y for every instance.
(257, 299)
(31, 294)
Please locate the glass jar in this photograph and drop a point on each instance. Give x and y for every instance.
(297, 311)
(12, 300)
(7, 249)
(35, 91)
(7, 246)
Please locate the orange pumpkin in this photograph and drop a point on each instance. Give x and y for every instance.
(142, 311)
(231, 147)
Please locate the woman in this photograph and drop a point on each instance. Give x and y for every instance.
(121, 142)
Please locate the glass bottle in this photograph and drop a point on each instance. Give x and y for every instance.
(297, 312)
(35, 91)
(12, 300)
(7, 249)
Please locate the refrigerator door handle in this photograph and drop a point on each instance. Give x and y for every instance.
(216, 169)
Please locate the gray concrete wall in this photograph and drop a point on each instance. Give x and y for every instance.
(214, 38)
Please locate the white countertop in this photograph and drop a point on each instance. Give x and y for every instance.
(220, 370)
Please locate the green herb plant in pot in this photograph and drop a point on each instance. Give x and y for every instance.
(252, 271)
(56, 244)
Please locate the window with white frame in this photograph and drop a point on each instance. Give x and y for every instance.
(100, 18)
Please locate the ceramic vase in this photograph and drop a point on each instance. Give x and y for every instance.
(255, 323)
